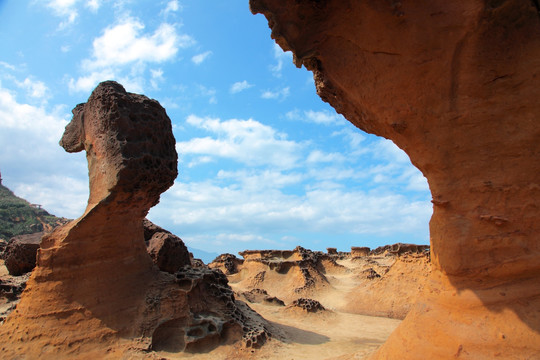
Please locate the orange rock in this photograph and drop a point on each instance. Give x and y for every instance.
(95, 290)
(455, 84)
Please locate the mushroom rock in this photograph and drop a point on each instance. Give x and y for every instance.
(455, 84)
(95, 290)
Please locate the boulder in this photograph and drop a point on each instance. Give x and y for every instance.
(20, 253)
(168, 252)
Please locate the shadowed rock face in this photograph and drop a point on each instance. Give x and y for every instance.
(455, 85)
(95, 286)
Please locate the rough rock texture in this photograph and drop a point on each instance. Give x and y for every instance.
(455, 84)
(167, 250)
(400, 249)
(228, 263)
(95, 288)
(358, 251)
(308, 305)
(20, 253)
(261, 296)
(384, 284)
(304, 269)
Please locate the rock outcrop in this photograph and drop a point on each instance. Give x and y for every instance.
(455, 85)
(95, 290)
(167, 250)
(20, 253)
(308, 305)
(383, 283)
(228, 263)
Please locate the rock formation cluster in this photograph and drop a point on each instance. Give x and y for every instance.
(382, 282)
(95, 289)
(454, 84)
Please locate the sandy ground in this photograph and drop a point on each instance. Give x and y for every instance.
(326, 335)
(299, 335)
(330, 334)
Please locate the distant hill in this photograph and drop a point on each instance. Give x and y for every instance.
(18, 216)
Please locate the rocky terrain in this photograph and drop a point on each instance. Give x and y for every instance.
(382, 282)
(95, 291)
(454, 84)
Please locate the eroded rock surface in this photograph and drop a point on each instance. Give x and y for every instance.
(167, 250)
(382, 283)
(95, 290)
(20, 253)
(308, 305)
(455, 85)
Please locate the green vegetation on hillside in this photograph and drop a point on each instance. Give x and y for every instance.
(18, 216)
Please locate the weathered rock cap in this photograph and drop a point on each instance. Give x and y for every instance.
(129, 144)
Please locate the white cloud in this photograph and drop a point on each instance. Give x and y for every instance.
(280, 56)
(317, 156)
(198, 59)
(88, 83)
(157, 77)
(65, 9)
(34, 88)
(245, 141)
(262, 179)
(208, 92)
(7, 66)
(240, 86)
(123, 44)
(355, 139)
(281, 94)
(322, 117)
(33, 164)
(256, 208)
(122, 52)
(93, 5)
(172, 6)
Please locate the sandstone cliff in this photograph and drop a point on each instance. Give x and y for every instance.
(455, 84)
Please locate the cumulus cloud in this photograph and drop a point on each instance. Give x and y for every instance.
(240, 86)
(280, 94)
(123, 51)
(124, 43)
(172, 6)
(93, 5)
(257, 208)
(317, 156)
(156, 78)
(65, 9)
(280, 57)
(286, 187)
(245, 141)
(199, 58)
(35, 88)
(322, 117)
(30, 153)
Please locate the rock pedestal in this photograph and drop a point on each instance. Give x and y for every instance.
(456, 86)
(95, 288)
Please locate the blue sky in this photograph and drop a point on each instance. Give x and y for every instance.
(263, 162)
